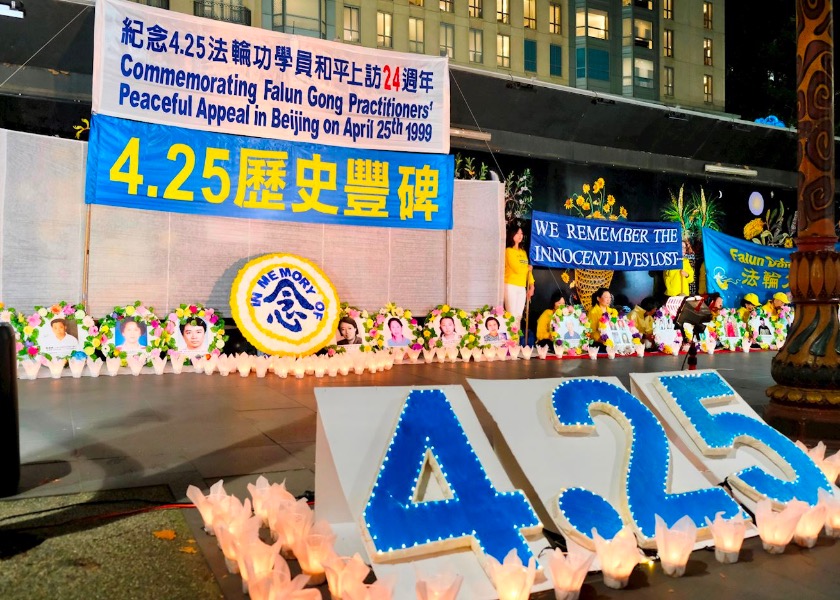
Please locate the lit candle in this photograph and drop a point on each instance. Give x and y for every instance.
(94, 366)
(569, 570)
(675, 544)
(77, 366)
(728, 535)
(542, 352)
(313, 549)
(618, 557)
(809, 526)
(832, 513)
(342, 572)
(256, 560)
(441, 586)
(512, 580)
(776, 528)
(206, 504)
(466, 353)
(829, 466)
(526, 352)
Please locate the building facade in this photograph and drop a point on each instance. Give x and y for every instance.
(668, 51)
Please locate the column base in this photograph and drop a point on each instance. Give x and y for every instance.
(808, 424)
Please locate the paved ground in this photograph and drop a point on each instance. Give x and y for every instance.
(84, 435)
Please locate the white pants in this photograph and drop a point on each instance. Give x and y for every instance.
(515, 300)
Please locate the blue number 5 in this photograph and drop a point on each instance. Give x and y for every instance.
(718, 434)
(646, 472)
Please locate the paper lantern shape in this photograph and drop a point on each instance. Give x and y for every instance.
(569, 570)
(342, 572)
(618, 557)
(776, 528)
(675, 544)
(809, 526)
(728, 535)
(441, 586)
(512, 580)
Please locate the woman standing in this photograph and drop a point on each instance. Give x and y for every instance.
(519, 281)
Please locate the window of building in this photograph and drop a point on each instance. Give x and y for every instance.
(643, 72)
(447, 6)
(668, 9)
(555, 18)
(593, 63)
(415, 35)
(529, 10)
(708, 90)
(351, 24)
(531, 56)
(503, 11)
(669, 82)
(648, 4)
(503, 51)
(476, 37)
(384, 34)
(592, 23)
(707, 15)
(627, 71)
(668, 42)
(447, 40)
(555, 60)
(707, 52)
(477, 9)
(416, 2)
(299, 16)
(642, 33)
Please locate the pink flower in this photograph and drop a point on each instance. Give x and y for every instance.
(514, 329)
(104, 339)
(69, 310)
(158, 331)
(155, 324)
(472, 329)
(209, 311)
(142, 311)
(380, 319)
(193, 308)
(34, 319)
(214, 319)
(499, 310)
(373, 332)
(414, 321)
(331, 352)
(18, 347)
(170, 327)
(216, 352)
(32, 350)
(354, 314)
(93, 330)
(435, 312)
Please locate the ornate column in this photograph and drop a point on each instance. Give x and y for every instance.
(807, 369)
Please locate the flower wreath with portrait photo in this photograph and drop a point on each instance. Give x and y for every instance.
(432, 338)
(665, 332)
(381, 321)
(358, 315)
(25, 349)
(570, 327)
(777, 327)
(191, 315)
(607, 323)
(35, 344)
(480, 316)
(158, 339)
(728, 329)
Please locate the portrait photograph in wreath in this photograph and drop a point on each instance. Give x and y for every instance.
(191, 336)
(449, 330)
(61, 336)
(351, 332)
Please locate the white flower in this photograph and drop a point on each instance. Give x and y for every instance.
(87, 321)
(220, 343)
(5, 316)
(42, 311)
(80, 314)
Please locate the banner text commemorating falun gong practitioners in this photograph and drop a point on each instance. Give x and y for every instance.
(198, 116)
(569, 242)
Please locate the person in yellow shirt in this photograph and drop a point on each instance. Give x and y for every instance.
(519, 280)
(642, 317)
(748, 305)
(544, 337)
(601, 301)
(678, 280)
(774, 304)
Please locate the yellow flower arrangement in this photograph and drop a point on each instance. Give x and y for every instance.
(753, 229)
(789, 243)
(594, 203)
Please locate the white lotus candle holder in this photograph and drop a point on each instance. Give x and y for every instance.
(256, 560)
(489, 353)
(746, 343)
(31, 368)
(542, 352)
(440, 354)
(618, 557)
(56, 366)
(611, 352)
(640, 350)
(593, 352)
(320, 369)
(776, 528)
(569, 570)
(159, 364)
(292, 524)
(210, 365)
(440, 586)
(514, 351)
(710, 346)
(477, 355)
(429, 354)
(466, 353)
(832, 513)
(226, 364)
(829, 466)
(176, 359)
(559, 350)
(675, 544)
(281, 368)
(136, 362)
(512, 580)
(343, 572)
(113, 364)
(261, 366)
(313, 549)
(207, 505)
(77, 366)
(95, 366)
(236, 534)
(372, 364)
(344, 365)
(381, 589)
(267, 497)
(413, 355)
(198, 363)
(527, 351)
(279, 585)
(451, 353)
(729, 537)
(809, 526)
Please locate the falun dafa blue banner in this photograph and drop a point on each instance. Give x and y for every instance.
(173, 169)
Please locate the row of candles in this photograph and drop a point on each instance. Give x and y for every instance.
(317, 365)
(295, 534)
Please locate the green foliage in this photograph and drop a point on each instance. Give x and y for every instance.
(693, 214)
(518, 195)
(465, 168)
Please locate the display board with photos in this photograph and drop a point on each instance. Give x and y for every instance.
(622, 333)
(496, 326)
(133, 329)
(56, 331)
(570, 327)
(395, 327)
(448, 327)
(729, 329)
(353, 332)
(196, 330)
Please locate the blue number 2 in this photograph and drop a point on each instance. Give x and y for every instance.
(474, 514)
(718, 434)
(646, 473)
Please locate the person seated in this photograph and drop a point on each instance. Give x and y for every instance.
(558, 300)
(601, 301)
(748, 305)
(642, 317)
(775, 304)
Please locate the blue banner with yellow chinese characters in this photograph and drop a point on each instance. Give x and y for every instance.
(737, 267)
(166, 168)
